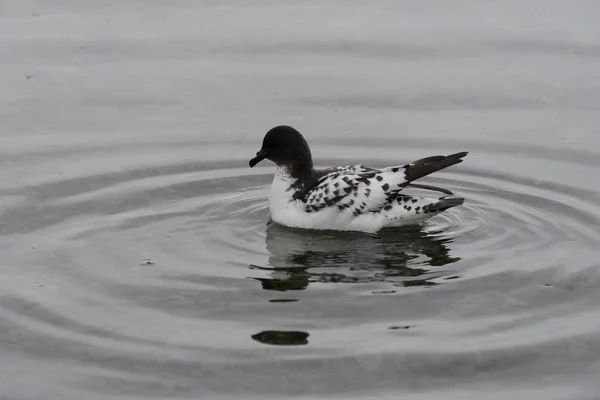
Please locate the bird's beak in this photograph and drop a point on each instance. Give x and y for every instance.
(261, 155)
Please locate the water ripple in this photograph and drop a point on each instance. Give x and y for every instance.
(177, 272)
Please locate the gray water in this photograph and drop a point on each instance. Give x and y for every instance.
(138, 261)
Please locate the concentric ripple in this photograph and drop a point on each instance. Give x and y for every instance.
(176, 273)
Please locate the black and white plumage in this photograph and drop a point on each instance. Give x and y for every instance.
(353, 197)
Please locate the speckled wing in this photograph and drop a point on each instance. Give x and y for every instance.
(364, 189)
(358, 188)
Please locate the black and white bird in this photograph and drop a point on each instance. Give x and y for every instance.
(354, 198)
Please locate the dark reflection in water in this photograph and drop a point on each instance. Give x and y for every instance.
(400, 327)
(402, 256)
(283, 300)
(282, 338)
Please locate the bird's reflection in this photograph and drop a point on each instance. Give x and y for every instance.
(406, 257)
(282, 338)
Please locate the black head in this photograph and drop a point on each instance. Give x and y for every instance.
(285, 146)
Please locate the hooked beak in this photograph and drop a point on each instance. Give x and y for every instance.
(261, 155)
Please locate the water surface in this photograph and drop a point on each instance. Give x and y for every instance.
(138, 260)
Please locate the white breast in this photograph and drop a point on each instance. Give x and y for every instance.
(287, 211)
(281, 194)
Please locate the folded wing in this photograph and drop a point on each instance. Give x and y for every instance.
(362, 189)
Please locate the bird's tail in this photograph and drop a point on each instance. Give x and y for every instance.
(429, 165)
(445, 203)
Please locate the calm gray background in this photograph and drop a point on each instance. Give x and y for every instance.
(137, 258)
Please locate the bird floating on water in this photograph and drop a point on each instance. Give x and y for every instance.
(348, 198)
